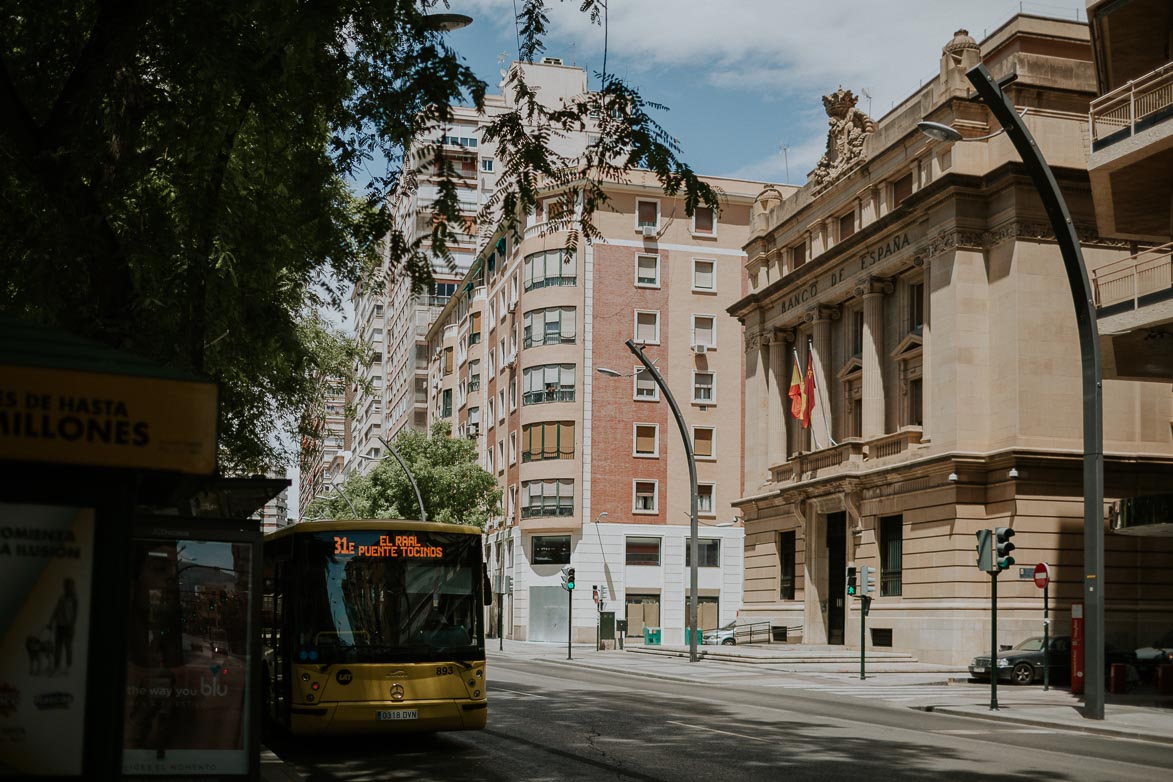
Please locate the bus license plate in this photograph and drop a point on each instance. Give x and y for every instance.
(398, 714)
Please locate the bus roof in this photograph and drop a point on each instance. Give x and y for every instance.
(373, 525)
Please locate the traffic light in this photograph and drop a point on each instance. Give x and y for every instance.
(867, 580)
(851, 583)
(565, 573)
(570, 578)
(1003, 547)
(985, 550)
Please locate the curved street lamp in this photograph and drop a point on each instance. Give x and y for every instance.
(692, 597)
(342, 494)
(990, 91)
(411, 478)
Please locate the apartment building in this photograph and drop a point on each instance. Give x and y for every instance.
(921, 284)
(325, 453)
(592, 466)
(275, 513)
(391, 317)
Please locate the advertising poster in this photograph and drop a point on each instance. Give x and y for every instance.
(188, 659)
(46, 566)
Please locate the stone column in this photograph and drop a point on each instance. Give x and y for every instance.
(755, 411)
(779, 388)
(873, 292)
(814, 574)
(926, 365)
(821, 317)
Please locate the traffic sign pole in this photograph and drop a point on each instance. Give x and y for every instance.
(994, 641)
(1042, 578)
(1046, 638)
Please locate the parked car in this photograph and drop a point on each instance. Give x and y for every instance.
(740, 630)
(1023, 663)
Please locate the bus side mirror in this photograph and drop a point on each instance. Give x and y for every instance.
(487, 587)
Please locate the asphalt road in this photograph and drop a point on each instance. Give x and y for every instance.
(555, 722)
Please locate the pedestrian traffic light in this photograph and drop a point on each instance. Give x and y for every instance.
(985, 550)
(1003, 547)
(867, 580)
(851, 582)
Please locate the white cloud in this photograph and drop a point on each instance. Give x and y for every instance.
(798, 47)
(771, 59)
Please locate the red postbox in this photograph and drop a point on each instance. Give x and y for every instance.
(1077, 680)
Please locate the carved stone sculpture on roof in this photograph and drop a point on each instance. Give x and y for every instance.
(849, 128)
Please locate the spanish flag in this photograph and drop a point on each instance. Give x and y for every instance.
(797, 401)
(808, 392)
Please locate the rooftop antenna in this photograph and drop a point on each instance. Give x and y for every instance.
(868, 95)
(785, 159)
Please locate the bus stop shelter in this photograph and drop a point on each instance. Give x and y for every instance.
(92, 441)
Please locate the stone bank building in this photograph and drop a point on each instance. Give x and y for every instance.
(921, 280)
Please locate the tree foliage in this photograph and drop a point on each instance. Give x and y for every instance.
(175, 176)
(455, 489)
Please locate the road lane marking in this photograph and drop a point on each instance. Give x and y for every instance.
(725, 732)
(516, 693)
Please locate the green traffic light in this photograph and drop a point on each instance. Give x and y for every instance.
(851, 590)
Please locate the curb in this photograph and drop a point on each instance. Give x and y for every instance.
(693, 680)
(1117, 733)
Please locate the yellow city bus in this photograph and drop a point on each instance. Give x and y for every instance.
(374, 627)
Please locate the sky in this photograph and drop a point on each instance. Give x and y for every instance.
(743, 78)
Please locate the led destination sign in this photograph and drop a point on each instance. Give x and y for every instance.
(388, 546)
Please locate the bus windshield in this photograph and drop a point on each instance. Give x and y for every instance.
(367, 596)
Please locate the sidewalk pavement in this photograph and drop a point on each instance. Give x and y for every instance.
(274, 769)
(1138, 716)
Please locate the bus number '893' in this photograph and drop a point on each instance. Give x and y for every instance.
(444, 670)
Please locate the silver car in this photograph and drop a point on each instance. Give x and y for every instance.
(741, 630)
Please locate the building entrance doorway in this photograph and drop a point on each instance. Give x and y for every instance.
(836, 576)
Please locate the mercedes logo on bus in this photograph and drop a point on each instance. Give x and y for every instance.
(396, 692)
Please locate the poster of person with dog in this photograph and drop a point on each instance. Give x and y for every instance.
(46, 555)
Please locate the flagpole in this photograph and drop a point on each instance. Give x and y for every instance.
(826, 423)
(802, 377)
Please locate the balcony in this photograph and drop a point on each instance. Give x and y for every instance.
(552, 506)
(1134, 312)
(546, 339)
(551, 282)
(1131, 130)
(548, 395)
(851, 456)
(1133, 282)
(1133, 107)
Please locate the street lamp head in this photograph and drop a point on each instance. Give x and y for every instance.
(446, 23)
(609, 372)
(600, 517)
(938, 131)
